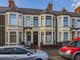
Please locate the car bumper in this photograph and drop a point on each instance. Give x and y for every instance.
(65, 55)
(46, 57)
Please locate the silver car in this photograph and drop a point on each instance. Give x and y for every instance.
(15, 53)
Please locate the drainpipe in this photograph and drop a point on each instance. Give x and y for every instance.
(56, 29)
(1, 29)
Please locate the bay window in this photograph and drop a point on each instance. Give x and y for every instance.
(12, 19)
(48, 21)
(65, 21)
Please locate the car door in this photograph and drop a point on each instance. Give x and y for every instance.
(22, 54)
(6, 54)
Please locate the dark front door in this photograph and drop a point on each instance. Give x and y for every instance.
(35, 38)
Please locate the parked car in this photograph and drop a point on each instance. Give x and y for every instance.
(71, 50)
(20, 53)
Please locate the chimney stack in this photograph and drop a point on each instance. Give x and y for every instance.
(50, 7)
(11, 3)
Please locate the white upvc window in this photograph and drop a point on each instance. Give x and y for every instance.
(73, 22)
(28, 21)
(59, 21)
(65, 36)
(42, 21)
(78, 23)
(20, 36)
(6, 35)
(65, 22)
(60, 36)
(48, 37)
(42, 37)
(78, 33)
(12, 19)
(20, 21)
(35, 21)
(48, 21)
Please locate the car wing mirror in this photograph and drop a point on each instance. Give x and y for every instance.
(28, 54)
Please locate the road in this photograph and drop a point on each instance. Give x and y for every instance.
(57, 58)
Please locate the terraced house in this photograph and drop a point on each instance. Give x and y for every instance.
(37, 27)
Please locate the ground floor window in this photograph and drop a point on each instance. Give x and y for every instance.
(28, 36)
(65, 36)
(60, 35)
(42, 36)
(78, 34)
(20, 36)
(6, 36)
(48, 37)
(12, 37)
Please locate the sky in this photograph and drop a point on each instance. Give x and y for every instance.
(41, 4)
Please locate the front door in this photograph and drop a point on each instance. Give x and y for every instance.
(35, 38)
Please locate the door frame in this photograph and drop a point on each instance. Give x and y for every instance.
(35, 42)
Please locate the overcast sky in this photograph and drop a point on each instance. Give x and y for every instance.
(41, 4)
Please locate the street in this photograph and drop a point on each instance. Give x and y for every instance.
(53, 54)
(57, 58)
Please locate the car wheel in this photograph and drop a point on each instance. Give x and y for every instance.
(77, 57)
(39, 59)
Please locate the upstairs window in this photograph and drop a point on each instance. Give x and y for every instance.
(78, 23)
(20, 20)
(35, 21)
(28, 21)
(65, 21)
(73, 22)
(12, 19)
(42, 21)
(48, 21)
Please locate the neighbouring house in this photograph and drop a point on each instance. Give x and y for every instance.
(37, 27)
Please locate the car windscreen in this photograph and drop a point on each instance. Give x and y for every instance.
(31, 50)
(74, 44)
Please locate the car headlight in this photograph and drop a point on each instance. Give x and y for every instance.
(68, 52)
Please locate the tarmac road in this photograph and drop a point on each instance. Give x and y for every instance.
(57, 58)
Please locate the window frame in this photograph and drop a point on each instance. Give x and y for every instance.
(7, 52)
(11, 20)
(48, 21)
(65, 22)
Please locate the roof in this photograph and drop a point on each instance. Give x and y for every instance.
(76, 39)
(64, 12)
(12, 46)
(37, 11)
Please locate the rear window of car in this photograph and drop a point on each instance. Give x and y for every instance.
(19, 51)
(5, 50)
